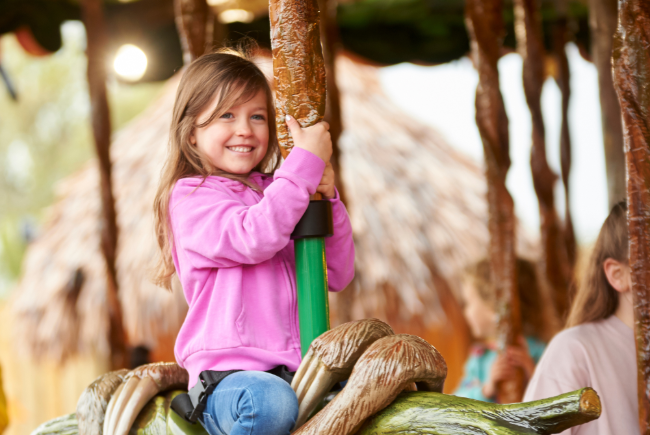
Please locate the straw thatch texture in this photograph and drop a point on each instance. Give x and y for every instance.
(50, 319)
(417, 207)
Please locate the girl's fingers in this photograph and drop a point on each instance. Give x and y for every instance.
(293, 125)
(325, 124)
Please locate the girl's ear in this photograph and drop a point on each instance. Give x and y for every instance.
(193, 137)
(618, 274)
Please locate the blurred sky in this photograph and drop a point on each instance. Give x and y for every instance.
(443, 96)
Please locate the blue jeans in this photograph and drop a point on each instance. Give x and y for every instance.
(251, 403)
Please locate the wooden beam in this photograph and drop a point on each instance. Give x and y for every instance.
(485, 26)
(602, 25)
(530, 46)
(631, 63)
(561, 37)
(93, 18)
(194, 22)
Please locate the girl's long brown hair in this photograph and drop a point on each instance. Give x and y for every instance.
(596, 299)
(232, 78)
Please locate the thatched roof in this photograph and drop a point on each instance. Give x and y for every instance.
(417, 208)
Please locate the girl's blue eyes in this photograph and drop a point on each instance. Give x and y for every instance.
(255, 117)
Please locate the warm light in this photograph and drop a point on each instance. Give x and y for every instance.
(130, 62)
(232, 15)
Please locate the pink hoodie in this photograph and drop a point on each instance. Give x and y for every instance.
(235, 260)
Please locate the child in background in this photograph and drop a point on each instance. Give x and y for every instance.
(598, 348)
(485, 366)
(224, 217)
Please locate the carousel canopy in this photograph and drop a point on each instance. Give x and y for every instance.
(382, 31)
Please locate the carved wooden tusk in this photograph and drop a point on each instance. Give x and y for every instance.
(110, 410)
(144, 392)
(93, 402)
(306, 381)
(323, 382)
(302, 369)
(120, 403)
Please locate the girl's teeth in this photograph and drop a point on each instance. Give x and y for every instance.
(241, 149)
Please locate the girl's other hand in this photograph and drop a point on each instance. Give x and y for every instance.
(315, 139)
(326, 186)
(501, 370)
(520, 357)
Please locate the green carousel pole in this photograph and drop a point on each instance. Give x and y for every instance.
(300, 81)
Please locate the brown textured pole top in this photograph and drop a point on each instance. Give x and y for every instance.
(298, 66)
(632, 80)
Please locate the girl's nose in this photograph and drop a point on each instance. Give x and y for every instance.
(243, 128)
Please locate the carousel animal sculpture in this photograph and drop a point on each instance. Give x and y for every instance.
(394, 386)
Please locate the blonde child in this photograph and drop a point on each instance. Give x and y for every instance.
(224, 216)
(598, 349)
(486, 367)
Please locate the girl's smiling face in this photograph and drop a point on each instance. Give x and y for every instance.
(236, 141)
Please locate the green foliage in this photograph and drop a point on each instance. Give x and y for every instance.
(46, 134)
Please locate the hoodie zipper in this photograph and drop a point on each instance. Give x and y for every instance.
(292, 292)
(292, 298)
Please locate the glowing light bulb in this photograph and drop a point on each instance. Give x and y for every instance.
(233, 15)
(130, 63)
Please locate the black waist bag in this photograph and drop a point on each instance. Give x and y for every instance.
(191, 405)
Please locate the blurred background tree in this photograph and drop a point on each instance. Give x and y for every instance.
(45, 134)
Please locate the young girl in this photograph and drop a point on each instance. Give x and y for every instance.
(598, 348)
(224, 216)
(486, 367)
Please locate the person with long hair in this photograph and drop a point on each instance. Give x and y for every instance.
(486, 367)
(598, 348)
(225, 211)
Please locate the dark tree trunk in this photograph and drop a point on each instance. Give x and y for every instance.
(331, 43)
(632, 73)
(93, 17)
(531, 48)
(195, 23)
(563, 78)
(602, 24)
(485, 26)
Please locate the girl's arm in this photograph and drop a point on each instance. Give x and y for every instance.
(214, 229)
(339, 249)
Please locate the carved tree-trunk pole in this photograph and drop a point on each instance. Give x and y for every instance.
(563, 79)
(602, 24)
(195, 24)
(93, 18)
(632, 71)
(299, 72)
(485, 26)
(531, 48)
(298, 66)
(331, 43)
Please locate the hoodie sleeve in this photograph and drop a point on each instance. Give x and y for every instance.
(214, 229)
(339, 249)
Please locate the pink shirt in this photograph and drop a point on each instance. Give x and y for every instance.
(600, 355)
(235, 259)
